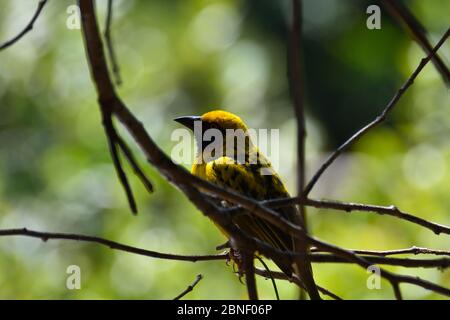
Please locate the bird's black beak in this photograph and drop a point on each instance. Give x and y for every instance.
(188, 121)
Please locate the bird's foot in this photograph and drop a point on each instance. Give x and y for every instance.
(236, 257)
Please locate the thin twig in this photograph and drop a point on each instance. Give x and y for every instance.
(134, 164)
(112, 137)
(390, 210)
(45, 236)
(314, 257)
(27, 28)
(379, 119)
(296, 88)
(189, 288)
(419, 33)
(391, 277)
(383, 253)
(269, 272)
(109, 44)
(441, 263)
(349, 207)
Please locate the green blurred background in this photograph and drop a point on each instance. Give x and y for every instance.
(183, 57)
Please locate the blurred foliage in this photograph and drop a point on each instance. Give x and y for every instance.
(187, 57)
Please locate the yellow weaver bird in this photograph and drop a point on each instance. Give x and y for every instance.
(244, 169)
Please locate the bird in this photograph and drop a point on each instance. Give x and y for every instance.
(226, 156)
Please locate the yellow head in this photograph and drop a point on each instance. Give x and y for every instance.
(223, 120)
(219, 133)
(217, 119)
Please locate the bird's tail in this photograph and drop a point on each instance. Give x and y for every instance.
(301, 268)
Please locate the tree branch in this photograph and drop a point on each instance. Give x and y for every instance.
(383, 210)
(315, 258)
(269, 273)
(391, 277)
(134, 164)
(296, 87)
(249, 270)
(112, 137)
(27, 28)
(379, 119)
(109, 44)
(45, 236)
(442, 263)
(349, 207)
(189, 288)
(419, 33)
(414, 250)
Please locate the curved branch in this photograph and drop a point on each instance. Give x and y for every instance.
(45, 236)
(337, 257)
(27, 28)
(390, 210)
(414, 250)
(406, 17)
(349, 207)
(269, 272)
(379, 119)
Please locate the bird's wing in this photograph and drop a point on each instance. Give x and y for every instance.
(248, 180)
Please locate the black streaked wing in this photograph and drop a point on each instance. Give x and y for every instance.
(247, 180)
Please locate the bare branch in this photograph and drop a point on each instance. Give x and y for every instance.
(269, 272)
(414, 250)
(28, 27)
(349, 207)
(419, 33)
(296, 87)
(134, 164)
(390, 210)
(109, 44)
(378, 119)
(249, 269)
(365, 262)
(316, 258)
(189, 288)
(112, 137)
(45, 236)
(391, 277)
(442, 263)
